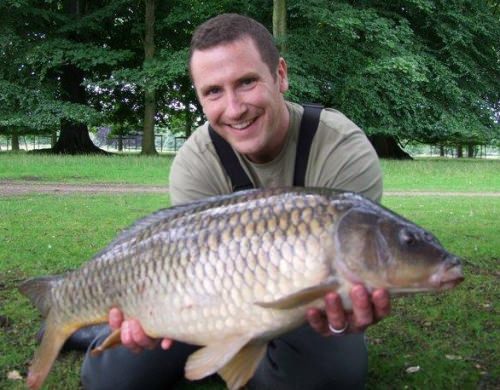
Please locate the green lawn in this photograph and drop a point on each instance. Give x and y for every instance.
(422, 174)
(133, 169)
(452, 338)
(462, 175)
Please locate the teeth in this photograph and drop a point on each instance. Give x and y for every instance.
(242, 125)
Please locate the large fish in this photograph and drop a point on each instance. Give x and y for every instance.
(232, 272)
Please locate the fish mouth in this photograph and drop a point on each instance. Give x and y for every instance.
(452, 278)
(450, 274)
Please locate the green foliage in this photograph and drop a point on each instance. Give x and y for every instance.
(418, 70)
(421, 70)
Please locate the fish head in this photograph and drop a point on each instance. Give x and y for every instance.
(380, 249)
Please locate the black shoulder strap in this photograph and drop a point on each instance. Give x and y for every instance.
(239, 178)
(308, 127)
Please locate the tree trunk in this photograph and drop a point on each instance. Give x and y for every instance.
(74, 137)
(53, 138)
(441, 150)
(120, 143)
(148, 139)
(388, 147)
(460, 152)
(471, 151)
(15, 142)
(188, 122)
(279, 24)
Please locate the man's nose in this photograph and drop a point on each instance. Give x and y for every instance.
(235, 107)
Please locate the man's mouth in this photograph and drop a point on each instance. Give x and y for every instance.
(242, 125)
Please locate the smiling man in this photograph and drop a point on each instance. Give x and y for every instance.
(242, 99)
(240, 80)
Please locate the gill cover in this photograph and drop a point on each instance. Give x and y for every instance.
(361, 244)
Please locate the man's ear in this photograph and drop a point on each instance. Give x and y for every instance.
(283, 75)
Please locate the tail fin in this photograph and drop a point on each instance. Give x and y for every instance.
(39, 291)
(46, 354)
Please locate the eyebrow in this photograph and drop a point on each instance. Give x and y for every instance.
(249, 75)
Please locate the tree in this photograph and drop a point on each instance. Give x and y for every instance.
(419, 70)
(74, 136)
(62, 48)
(279, 24)
(148, 138)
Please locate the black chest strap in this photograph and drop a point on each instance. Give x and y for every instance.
(240, 180)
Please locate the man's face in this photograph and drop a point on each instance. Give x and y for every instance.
(241, 99)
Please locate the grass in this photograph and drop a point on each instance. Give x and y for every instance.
(462, 175)
(133, 169)
(453, 338)
(41, 235)
(422, 175)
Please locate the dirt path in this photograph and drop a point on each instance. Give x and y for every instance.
(24, 187)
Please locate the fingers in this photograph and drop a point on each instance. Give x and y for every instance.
(362, 310)
(166, 343)
(115, 318)
(381, 304)
(367, 309)
(333, 316)
(133, 336)
(318, 322)
(335, 313)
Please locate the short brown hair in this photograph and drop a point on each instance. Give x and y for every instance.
(227, 28)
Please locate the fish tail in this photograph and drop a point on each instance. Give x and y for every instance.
(39, 292)
(53, 339)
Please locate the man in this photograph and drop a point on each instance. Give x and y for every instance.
(240, 81)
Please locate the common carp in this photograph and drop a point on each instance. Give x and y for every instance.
(232, 272)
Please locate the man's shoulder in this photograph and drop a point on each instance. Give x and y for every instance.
(199, 141)
(334, 120)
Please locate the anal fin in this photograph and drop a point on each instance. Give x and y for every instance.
(210, 359)
(242, 366)
(112, 340)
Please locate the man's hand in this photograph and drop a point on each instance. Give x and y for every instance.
(366, 310)
(132, 334)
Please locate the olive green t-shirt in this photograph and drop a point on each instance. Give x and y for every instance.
(341, 157)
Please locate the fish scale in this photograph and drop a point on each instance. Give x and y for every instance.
(231, 272)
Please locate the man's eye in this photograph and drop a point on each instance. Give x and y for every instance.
(213, 91)
(247, 82)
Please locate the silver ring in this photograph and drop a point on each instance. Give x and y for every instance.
(338, 331)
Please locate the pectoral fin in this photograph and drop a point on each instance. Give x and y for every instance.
(302, 297)
(112, 340)
(210, 359)
(242, 366)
